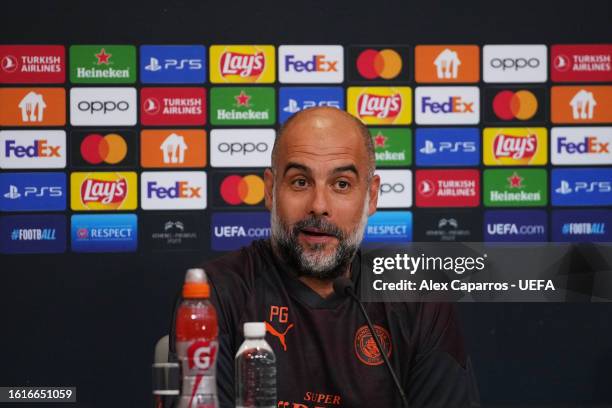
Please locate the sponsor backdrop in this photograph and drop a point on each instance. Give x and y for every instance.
(121, 153)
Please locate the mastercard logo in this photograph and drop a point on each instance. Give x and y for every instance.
(236, 190)
(508, 105)
(109, 149)
(385, 64)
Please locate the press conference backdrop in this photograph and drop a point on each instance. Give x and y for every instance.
(133, 141)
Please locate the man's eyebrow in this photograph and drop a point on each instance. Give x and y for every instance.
(297, 166)
(348, 167)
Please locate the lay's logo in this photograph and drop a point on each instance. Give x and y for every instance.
(379, 105)
(515, 146)
(103, 191)
(242, 64)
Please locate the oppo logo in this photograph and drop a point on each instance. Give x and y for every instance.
(103, 106)
(242, 148)
(386, 188)
(514, 63)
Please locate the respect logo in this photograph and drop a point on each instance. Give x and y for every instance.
(381, 105)
(103, 191)
(389, 226)
(242, 64)
(515, 146)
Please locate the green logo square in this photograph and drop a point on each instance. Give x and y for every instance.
(103, 64)
(515, 188)
(242, 106)
(393, 147)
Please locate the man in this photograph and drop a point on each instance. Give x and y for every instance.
(320, 191)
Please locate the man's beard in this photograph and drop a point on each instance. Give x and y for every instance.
(314, 262)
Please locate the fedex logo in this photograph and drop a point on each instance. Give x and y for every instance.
(581, 145)
(454, 104)
(311, 63)
(32, 149)
(447, 105)
(184, 190)
(180, 189)
(589, 144)
(40, 148)
(318, 63)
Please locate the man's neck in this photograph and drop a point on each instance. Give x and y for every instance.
(323, 287)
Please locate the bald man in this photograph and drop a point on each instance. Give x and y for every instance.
(320, 190)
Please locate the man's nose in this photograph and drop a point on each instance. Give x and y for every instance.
(319, 204)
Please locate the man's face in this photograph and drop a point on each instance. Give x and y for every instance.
(319, 194)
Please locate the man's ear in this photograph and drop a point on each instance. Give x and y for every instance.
(268, 186)
(373, 192)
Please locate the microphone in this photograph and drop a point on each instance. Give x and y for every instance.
(343, 286)
(166, 376)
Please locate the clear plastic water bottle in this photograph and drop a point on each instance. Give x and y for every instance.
(255, 369)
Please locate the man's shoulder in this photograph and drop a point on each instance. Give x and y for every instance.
(238, 267)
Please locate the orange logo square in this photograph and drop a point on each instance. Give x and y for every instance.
(32, 107)
(581, 104)
(447, 63)
(173, 148)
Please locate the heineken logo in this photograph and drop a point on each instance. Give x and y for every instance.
(392, 147)
(91, 64)
(515, 188)
(243, 106)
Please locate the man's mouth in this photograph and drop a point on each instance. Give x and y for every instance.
(316, 235)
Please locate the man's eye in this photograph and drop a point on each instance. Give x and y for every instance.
(342, 185)
(300, 182)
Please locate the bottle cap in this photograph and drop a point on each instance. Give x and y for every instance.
(254, 329)
(196, 284)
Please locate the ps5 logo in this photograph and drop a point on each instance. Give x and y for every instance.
(584, 186)
(33, 191)
(172, 63)
(293, 106)
(451, 147)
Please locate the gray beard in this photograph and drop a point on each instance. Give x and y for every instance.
(314, 263)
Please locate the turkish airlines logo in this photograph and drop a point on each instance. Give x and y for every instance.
(42, 64)
(442, 188)
(173, 106)
(581, 63)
